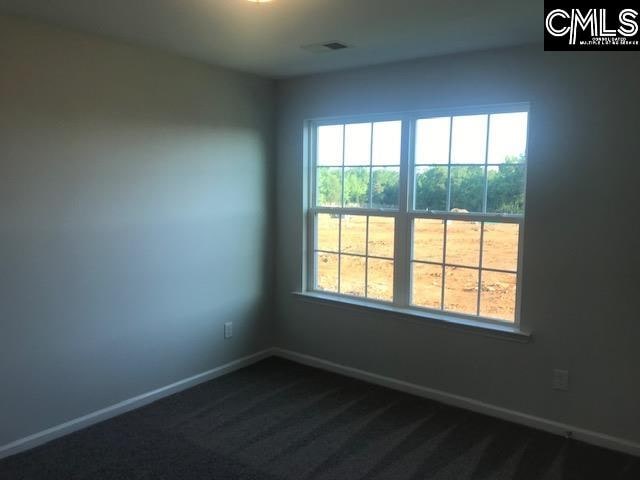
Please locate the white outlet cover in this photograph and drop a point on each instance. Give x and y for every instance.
(560, 380)
(228, 330)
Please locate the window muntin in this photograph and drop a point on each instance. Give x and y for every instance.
(478, 262)
(354, 255)
(358, 165)
(471, 163)
(449, 239)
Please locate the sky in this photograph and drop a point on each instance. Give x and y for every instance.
(381, 141)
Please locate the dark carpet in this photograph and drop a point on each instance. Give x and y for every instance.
(280, 420)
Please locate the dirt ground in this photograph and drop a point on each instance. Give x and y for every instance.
(374, 278)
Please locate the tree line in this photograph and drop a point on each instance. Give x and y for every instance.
(505, 187)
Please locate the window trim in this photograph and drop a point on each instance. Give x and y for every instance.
(502, 331)
(405, 214)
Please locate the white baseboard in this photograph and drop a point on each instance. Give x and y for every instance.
(551, 426)
(79, 423)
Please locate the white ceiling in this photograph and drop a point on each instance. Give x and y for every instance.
(266, 38)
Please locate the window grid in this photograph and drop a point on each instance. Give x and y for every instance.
(439, 264)
(485, 166)
(340, 253)
(407, 163)
(484, 209)
(366, 248)
(444, 264)
(344, 169)
(341, 189)
(339, 250)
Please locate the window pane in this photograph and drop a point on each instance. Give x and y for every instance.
(500, 248)
(428, 240)
(354, 234)
(463, 243)
(460, 164)
(467, 189)
(508, 137)
(329, 187)
(386, 184)
(498, 298)
(327, 231)
(356, 187)
(505, 189)
(330, 145)
(327, 272)
(381, 236)
(386, 143)
(352, 275)
(357, 144)
(380, 279)
(432, 140)
(426, 285)
(430, 188)
(461, 290)
(469, 139)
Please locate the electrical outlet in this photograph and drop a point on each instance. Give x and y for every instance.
(228, 330)
(560, 380)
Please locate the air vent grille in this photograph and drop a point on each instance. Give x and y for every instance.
(326, 47)
(335, 45)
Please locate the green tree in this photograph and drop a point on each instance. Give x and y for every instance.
(506, 187)
(431, 189)
(467, 188)
(356, 187)
(329, 186)
(386, 184)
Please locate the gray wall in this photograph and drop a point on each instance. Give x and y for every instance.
(581, 262)
(134, 221)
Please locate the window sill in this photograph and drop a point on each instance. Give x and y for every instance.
(503, 332)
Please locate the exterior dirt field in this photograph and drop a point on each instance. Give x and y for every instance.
(354, 274)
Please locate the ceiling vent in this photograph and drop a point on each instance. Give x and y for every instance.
(335, 45)
(325, 47)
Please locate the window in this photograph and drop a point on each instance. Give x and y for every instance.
(421, 211)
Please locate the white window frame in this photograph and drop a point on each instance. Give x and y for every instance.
(406, 214)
